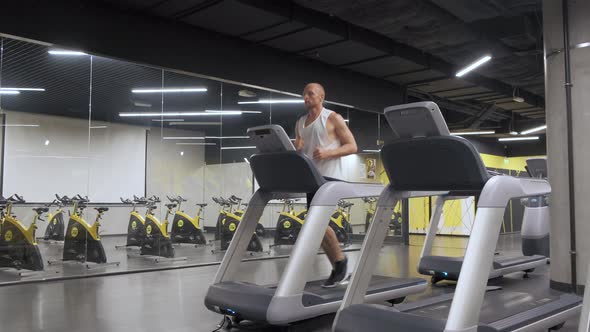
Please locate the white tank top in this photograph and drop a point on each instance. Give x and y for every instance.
(315, 135)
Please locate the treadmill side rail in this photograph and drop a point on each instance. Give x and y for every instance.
(585, 317)
(239, 243)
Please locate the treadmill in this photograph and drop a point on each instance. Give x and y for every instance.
(536, 227)
(434, 160)
(282, 172)
(447, 268)
(585, 317)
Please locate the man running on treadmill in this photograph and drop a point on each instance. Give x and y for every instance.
(323, 136)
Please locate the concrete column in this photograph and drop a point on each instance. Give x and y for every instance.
(557, 144)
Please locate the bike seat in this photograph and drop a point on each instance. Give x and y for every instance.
(41, 210)
(201, 204)
(171, 206)
(101, 209)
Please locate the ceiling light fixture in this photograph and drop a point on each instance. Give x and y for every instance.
(46, 142)
(195, 123)
(372, 151)
(237, 147)
(232, 112)
(511, 139)
(534, 130)
(473, 66)
(141, 104)
(22, 89)
(184, 137)
(65, 52)
(184, 143)
(20, 125)
(165, 114)
(478, 132)
(170, 90)
(226, 137)
(9, 92)
(582, 45)
(272, 101)
(98, 127)
(168, 120)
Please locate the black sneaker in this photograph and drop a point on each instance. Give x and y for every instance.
(338, 274)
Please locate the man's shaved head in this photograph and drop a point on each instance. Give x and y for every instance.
(313, 96)
(317, 87)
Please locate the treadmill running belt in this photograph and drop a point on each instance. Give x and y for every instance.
(497, 306)
(315, 294)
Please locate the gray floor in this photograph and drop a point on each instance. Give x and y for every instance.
(172, 300)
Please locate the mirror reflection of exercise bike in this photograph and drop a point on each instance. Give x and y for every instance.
(340, 221)
(82, 241)
(136, 226)
(18, 245)
(228, 221)
(395, 224)
(55, 222)
(157, 241)
(186, 229)
(289, 223)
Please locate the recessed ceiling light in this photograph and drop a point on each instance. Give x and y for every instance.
(169, 90)
(534, 130)
(65, 52)
(477, 132)
(473, 66)
(511, 139)
(166, 114)
(237, 147)
(273, 101)
(22, 89)
(9, 92)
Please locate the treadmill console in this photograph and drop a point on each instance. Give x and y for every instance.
(421, 119)
(537, 167)
(270, 138)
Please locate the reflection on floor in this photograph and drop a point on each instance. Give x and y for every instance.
(172, 300)
(130, 259)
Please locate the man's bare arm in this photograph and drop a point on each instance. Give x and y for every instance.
(344, 135)
(298, 139)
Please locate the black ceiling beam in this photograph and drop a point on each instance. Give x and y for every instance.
(195, 9)
(367, 37)
(264, 28)
(414, 84)
(476, 121)
(454, 89)
(417, 71)
(317, 47)
(472, 96)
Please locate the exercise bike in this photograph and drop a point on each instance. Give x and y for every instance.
(228, 223)
(260, 231)
(157, 241)
(136, 226)
(339, 221)
(184, 228)
(395, 224)
(82, 241)
(289, 224)
(18, 246)
(55, 225)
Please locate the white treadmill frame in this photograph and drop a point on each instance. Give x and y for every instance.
(471, 286)
(286, 305)
(434, 228)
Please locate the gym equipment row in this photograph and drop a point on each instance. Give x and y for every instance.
(290, 222)
(395, 224)
(460, 172)
(228, 220)
(18, 243)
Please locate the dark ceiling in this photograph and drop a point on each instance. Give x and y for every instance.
(417, 44)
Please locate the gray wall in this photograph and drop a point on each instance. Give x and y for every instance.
(557, 136)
